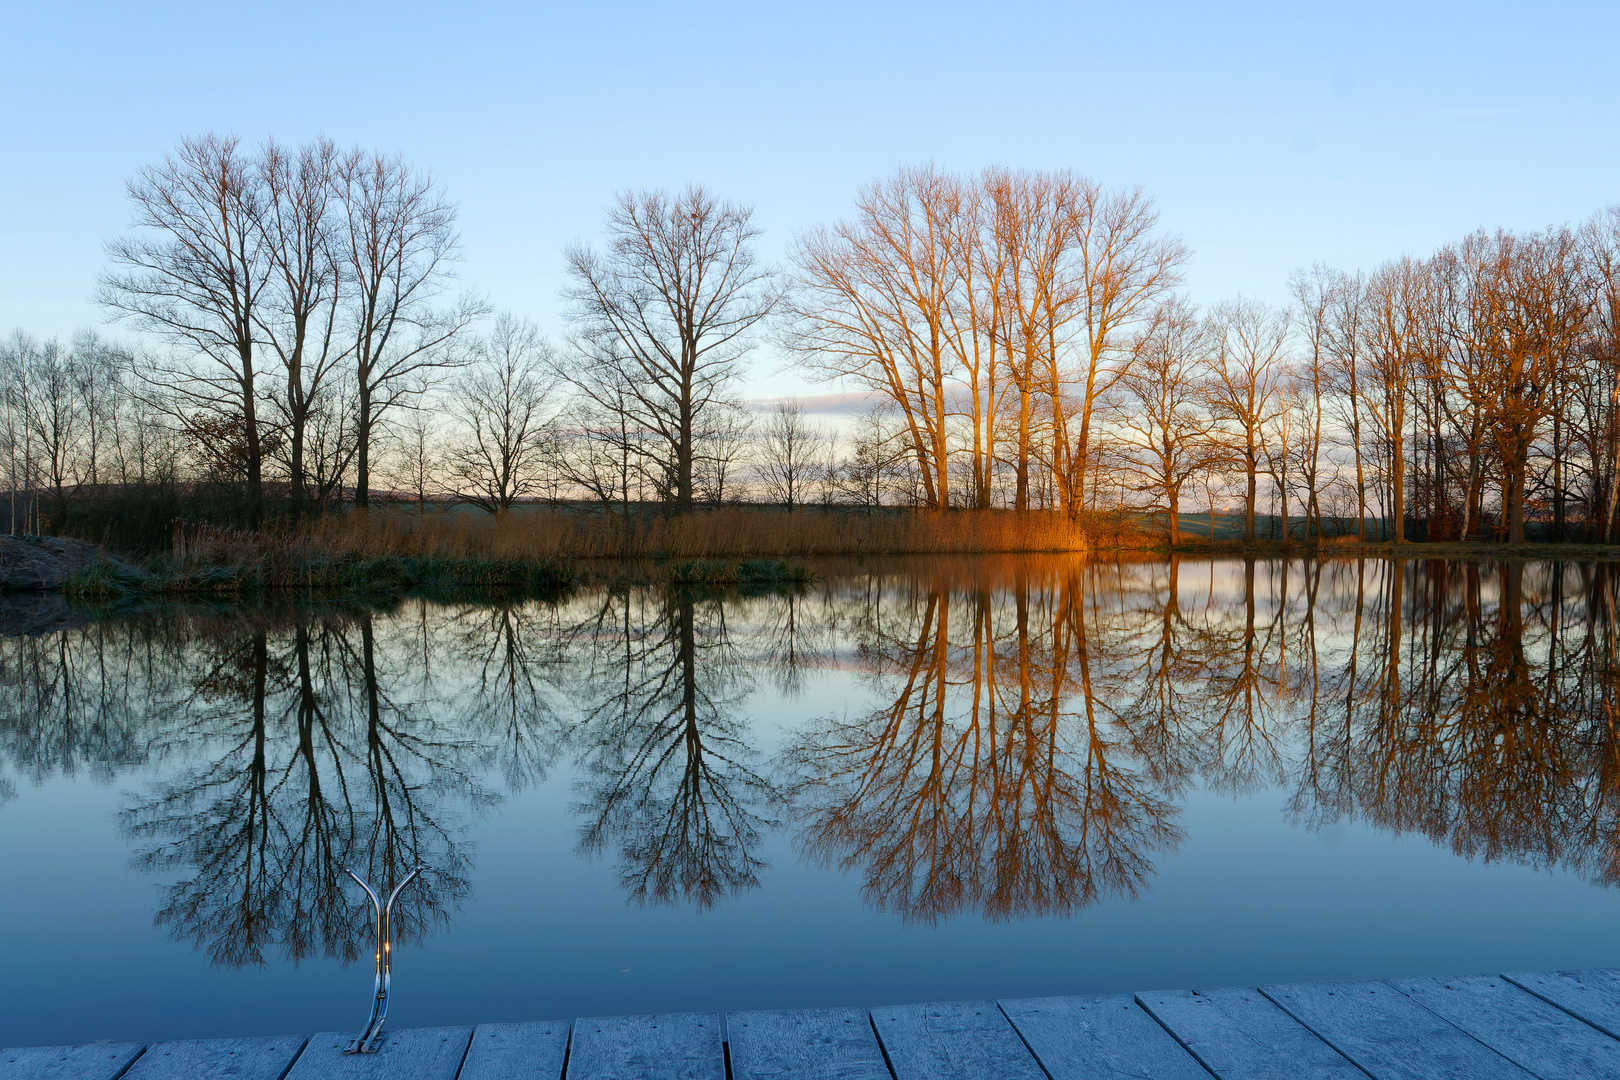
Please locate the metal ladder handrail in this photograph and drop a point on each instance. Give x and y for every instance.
(366, 1041)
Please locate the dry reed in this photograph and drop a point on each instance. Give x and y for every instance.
(728, 532)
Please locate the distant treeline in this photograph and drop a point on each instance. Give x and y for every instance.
(1020, 340)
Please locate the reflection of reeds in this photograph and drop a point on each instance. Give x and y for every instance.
(727, 532)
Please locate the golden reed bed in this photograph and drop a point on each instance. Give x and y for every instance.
(727, 532)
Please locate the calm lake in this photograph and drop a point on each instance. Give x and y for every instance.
(911, 780)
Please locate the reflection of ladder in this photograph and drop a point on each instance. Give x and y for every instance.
(366, 1041)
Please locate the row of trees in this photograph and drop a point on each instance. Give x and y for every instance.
(1020, 337)
(1482, 377)
(286, 285)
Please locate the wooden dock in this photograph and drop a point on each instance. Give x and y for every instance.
(1561, 1025)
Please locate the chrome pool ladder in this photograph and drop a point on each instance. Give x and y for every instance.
(366, 1041)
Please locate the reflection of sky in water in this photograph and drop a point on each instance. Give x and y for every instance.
(649, 802)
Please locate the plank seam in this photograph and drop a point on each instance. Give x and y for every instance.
(1390, 983)
(1302, 1023)
(1535, 993)
(302, 1046)
(131, 1063)
(1346, 1054)
(568, 1048)
(1033, 1056)
(465, 1050)
(884, 1050)
(1202, 1064)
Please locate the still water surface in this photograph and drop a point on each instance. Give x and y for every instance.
(916, 780)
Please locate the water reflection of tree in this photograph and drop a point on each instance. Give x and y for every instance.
(514, 653)
(306, 765)
(990, 778)
(1037, 723)
(1488, 721)
(75, 699)
(667, 775)
(797, 630)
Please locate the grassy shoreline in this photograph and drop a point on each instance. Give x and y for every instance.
(107, 579)
(1439, 549)
(547, 551)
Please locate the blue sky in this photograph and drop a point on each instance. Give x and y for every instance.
(1272, 136)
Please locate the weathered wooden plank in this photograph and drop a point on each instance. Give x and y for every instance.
(1240, 1034)
(1388, 1034)
(1594, 995)
(101, 1061)
(958, 1040)
(1526, 1030)
(405, 1054)
(666, 1046)
(808, 1044)
(1093, 1038)
(517, 1051)
(211, 1059)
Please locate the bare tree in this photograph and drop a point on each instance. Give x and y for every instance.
(18, 362)
(1313, 299)
(1159, 407)
(876, 451)
(1528, 302)
(1395, 301)
(790, 454)
(58, 420)
(723, 444)
(97, 369)
(666, 312)
(603, 448)
(500, 402)
(1345, 310)
(1281, 442)
(398, 249)
(1601, 240)
(1031, 233)
(417, 458)
(193, 276)
(1248, 340)
(329, 442)
(1122, 268)
(298, 318)
(883, 299)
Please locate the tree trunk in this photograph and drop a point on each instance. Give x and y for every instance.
(1248, 506)
(683, 460)
(1021, 497)
(255, 450)
(1397, 489)
(1515, 497)
(1558, 469)
(296, 492)
(362, 450)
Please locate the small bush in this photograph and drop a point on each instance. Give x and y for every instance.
(101, 580)
(747, 572)
(773, 570)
